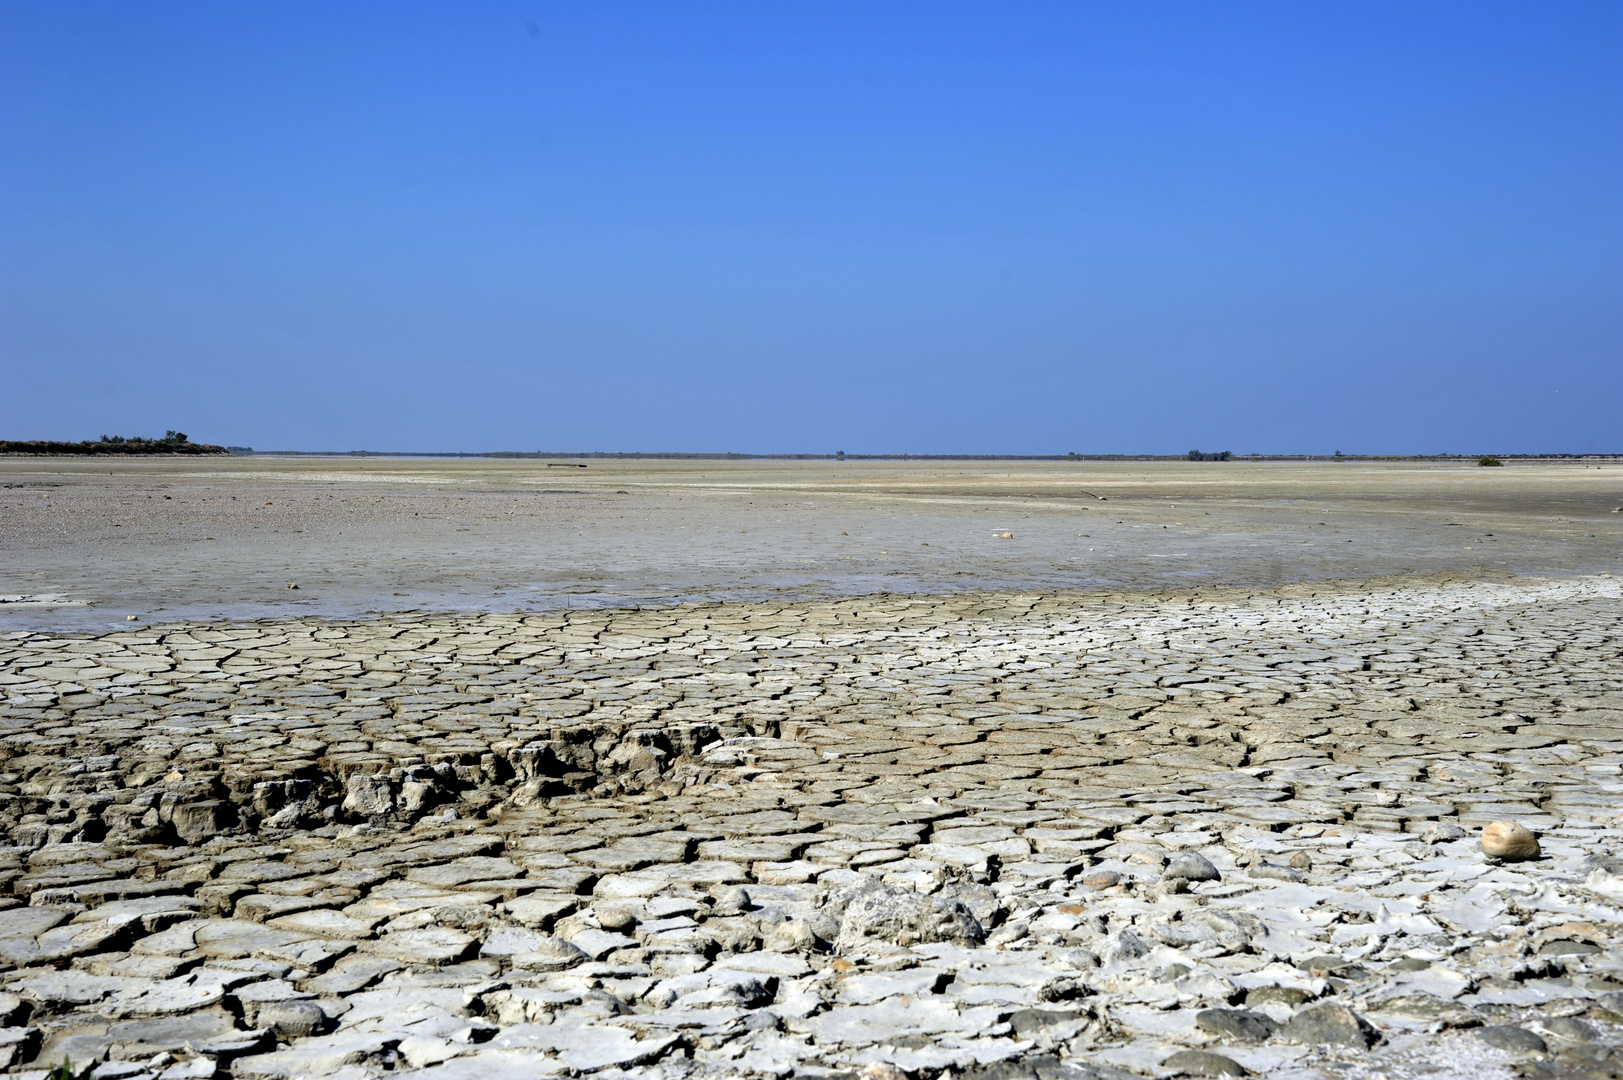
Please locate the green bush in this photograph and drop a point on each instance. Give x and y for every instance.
(1488, 461)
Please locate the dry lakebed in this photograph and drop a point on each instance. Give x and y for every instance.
(474, 769)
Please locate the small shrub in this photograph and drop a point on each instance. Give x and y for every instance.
(1489, 461)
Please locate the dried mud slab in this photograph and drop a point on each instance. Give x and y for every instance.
(996, 835)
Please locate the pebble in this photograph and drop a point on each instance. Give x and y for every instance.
(1512, 1039)
(1442, 833)
(1190, 866)
(881, 1070)
(1237, 1024)
(1287, 996)
(1570, 1027)
(1509, 841)
(1335, 1025)
(1203, 1063)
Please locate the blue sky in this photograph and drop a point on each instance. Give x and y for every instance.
(930, 228)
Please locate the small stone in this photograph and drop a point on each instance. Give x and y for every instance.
(1289, 996)
(1203, 1063)
(132, 618)
(1301, 861)
(730, 900)
(1236, 1024)
(1570, 1027)
(1129, 946)
(1101, 879)
(292, 1019)
(1442, 833)
(881, 1070)
(1512, 1039)
(791, 935)
(1333, 1024)
(1190, 866)
(1509, 841)
(875, 912)
(1066, 988)
(1568, 947)
(617, 920)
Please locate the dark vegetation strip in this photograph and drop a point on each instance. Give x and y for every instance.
(173, 442)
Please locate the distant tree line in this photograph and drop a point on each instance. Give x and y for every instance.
(1221, 455)
(173, 442)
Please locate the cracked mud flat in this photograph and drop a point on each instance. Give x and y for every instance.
(987, 835)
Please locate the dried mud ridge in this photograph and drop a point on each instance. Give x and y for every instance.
(991, 836)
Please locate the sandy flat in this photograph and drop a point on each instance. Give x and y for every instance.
(184, 538)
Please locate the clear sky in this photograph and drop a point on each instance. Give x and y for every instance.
(891, 227)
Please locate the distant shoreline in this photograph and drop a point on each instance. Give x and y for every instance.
(127, 448)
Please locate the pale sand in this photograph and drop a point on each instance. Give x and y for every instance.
(360, 535)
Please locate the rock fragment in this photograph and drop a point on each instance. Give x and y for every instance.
(1512, 1039)
(1442, 833)
(1570, 1027)
(292, 1019)
(1190, 866)
(873, 911)
(1203, 1063)
(1335, 1025)
(1237, 1024)
(1288, 996)
(1509, 842)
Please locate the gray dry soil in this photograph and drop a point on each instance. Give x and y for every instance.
(709, 769)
